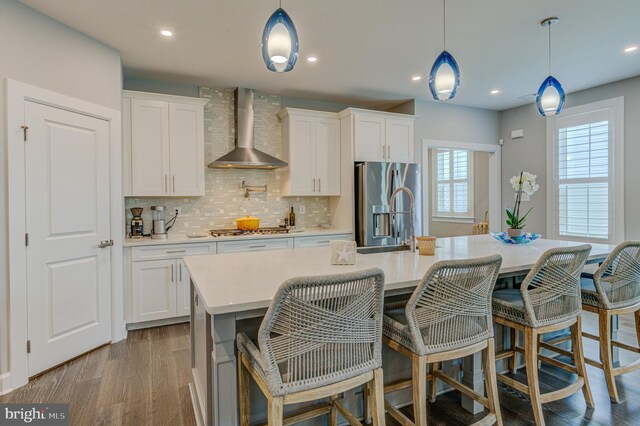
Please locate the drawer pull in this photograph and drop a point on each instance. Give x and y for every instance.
(176, 251)
(323, 242)
(260, 246)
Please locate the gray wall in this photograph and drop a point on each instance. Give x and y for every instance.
(529, 153)
(40, 51)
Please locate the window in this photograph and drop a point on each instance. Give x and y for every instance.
(452, 184)
(586, 173)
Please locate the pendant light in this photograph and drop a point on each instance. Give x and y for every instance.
(550, 97)
(280, 42)
(444, 78)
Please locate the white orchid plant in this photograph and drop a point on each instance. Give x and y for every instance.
(524, 182)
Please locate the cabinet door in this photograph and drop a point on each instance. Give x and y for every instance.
(183, 295)
(399, 139)
(186, 152)
(149, 148)
(301, 159)
(255, 245)
(154, 290)
(327, 156)
(369, 137)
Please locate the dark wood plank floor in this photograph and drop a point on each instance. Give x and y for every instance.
(144, 381)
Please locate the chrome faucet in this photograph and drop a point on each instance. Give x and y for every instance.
(412, 242)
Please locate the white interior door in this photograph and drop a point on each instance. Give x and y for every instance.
(67, 216)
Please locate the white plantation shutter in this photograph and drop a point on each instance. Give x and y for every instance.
(583, 180)
(452, 183)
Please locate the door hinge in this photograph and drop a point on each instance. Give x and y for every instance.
(25, 133)
(28, 346)
(26, 239)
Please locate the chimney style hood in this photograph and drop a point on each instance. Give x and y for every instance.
(244, 155)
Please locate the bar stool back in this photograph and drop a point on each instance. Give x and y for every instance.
(614, 290)
(320, 337)
(548, 300)
(447, 317)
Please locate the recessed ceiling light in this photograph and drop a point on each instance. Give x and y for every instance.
(166, 33)
(631, 49)
(495, 92)
(416, 78)
(312, 59)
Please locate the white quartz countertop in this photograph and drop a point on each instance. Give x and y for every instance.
(184, 239)
(244, 281)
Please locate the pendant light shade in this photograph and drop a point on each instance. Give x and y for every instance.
(280, 42)
(444, 78)
(550, 96)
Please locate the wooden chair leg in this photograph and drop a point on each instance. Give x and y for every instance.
(491, 381)
(531, 364)
(604, 320)
(366, 403)
(432, 384)
(276, 412)
(538, 342)
(377, 400)
(419, 366)
(578, 356)
(637, 315)
(513, 360)
(243, 392)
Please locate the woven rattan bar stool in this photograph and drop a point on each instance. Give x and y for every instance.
(447, 317)
(548, 300)
(320, 337)
(614, 290)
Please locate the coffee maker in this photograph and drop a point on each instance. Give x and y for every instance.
(159, 230)
(137, 224)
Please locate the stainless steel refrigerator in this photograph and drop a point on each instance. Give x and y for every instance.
(377, 223)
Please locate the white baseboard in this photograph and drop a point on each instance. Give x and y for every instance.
(5, 383)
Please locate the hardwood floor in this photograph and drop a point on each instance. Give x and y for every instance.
(144, 381)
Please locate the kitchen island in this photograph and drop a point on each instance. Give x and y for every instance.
(231, 292)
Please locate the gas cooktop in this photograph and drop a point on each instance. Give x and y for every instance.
(238, 233)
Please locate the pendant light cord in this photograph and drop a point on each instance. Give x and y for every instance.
(549, 48)
(280, 4)
(444, 24)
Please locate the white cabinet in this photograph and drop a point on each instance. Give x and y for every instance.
(163, 145)
(319, 240)
(311, 147)
(380, 136)
(255, 245)
(160, 280)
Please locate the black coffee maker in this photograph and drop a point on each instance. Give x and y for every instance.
(137, 224)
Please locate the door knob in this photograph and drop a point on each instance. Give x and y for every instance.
(105, 243)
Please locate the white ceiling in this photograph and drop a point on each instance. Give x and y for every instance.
(367, 49)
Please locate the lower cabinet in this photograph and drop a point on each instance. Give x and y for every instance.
(158, 290)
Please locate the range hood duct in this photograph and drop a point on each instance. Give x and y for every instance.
(244, 155)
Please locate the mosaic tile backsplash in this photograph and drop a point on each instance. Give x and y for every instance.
(224, 198)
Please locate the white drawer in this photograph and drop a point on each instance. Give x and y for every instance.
(254, 245)
(171, 251)
(319, 240)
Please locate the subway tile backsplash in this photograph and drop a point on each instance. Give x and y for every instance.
(224, 198)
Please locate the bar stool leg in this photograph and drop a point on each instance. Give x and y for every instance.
(531, 363)
(490, 380)
(243, 390)
(419, 366)
(333, 415)
(276, 412)
(513, 360)
(578, 356)
(637, 315)
(606, 353)
(432, 384)
(366, 403)
(377, 400)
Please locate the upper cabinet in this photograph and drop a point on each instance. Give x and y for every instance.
(380, 136)
(163, 140)
(311, 147)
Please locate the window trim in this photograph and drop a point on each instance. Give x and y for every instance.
(615, 109)
(437, 216)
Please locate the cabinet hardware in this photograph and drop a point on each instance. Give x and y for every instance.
(323, 242)
(174, 183)
(314, 184)
(28, 346)
(175, 251)
(180, 269)
(25, 133)
(261, 246)
(388, 152)
(319, 185)
(195, 298)
(165, 183)
(105, 243)
(26, 239)
(172, 272)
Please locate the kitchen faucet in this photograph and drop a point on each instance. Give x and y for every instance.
(412, 242)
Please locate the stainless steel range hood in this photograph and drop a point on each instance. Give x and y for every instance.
(244, 155)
